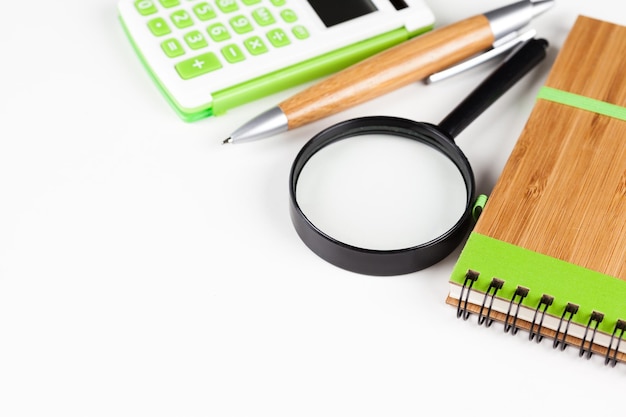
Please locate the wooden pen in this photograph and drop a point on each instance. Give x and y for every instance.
(393, 68)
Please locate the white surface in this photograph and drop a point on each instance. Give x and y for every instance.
(148, 270)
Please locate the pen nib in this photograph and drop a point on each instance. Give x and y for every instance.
(229, 140)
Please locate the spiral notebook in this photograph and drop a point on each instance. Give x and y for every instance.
(548, 253)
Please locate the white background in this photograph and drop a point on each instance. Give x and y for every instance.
(148, 270)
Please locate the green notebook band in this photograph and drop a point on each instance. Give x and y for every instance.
(542, 274)
(582, 102)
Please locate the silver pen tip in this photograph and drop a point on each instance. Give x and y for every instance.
(229, 140)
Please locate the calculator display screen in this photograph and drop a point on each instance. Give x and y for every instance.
(333, 12)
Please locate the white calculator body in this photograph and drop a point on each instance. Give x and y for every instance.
(211, 55)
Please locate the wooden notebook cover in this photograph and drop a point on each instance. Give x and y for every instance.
(555, 221)
(562, 192)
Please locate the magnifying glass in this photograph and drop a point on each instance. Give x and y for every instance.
(330, 187)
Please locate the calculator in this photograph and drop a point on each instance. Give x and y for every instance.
(208, 56)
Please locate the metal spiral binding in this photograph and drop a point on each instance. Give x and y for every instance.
(570, 310)
(612, 359)
(495, 285)
(470, 279)
(560, 338)
(520, 294)
(596, 318)
(545, 302)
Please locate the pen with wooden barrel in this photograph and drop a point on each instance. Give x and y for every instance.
(393, 68)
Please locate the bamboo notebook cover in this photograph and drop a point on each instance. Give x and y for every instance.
(548, 253)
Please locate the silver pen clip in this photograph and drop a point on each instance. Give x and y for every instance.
(500, 47)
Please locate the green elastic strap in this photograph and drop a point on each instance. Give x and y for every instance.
(479, 206)
(582, 102)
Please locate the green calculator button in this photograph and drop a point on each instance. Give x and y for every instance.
(145, 7)
(233, 53)
(181, 19)
(204, 11)
(250, 2)
(227, 6)
(202, 64)
(255, 45)
(159, 27)
(172, 48)
(279, 2)
(300, 32)
(263, 16)
(195, 40)
(241, 24)
(218, 32)
(169, 3)
(278, 38)
(289, 15)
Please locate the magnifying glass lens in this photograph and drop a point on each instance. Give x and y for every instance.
(391, 195)
(381, 192)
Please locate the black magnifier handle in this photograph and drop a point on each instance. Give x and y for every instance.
(515, 66)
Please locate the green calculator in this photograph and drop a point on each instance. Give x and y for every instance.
(208, 56)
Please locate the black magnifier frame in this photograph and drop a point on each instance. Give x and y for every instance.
(441, 138)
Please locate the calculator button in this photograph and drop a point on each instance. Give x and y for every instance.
(288, 15)
(233, 53)
(145, 7)
(227, 6)
(255, 45)
(202, 64)
(158, 26)
(300, 32)
(181, 19)
(279, 2)
(169, 3)
(218, 32)
(172, 48)
(241, 24)
(278, 38)
(263, 16)
(250, 2)
(204, 11)
(195, 40)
